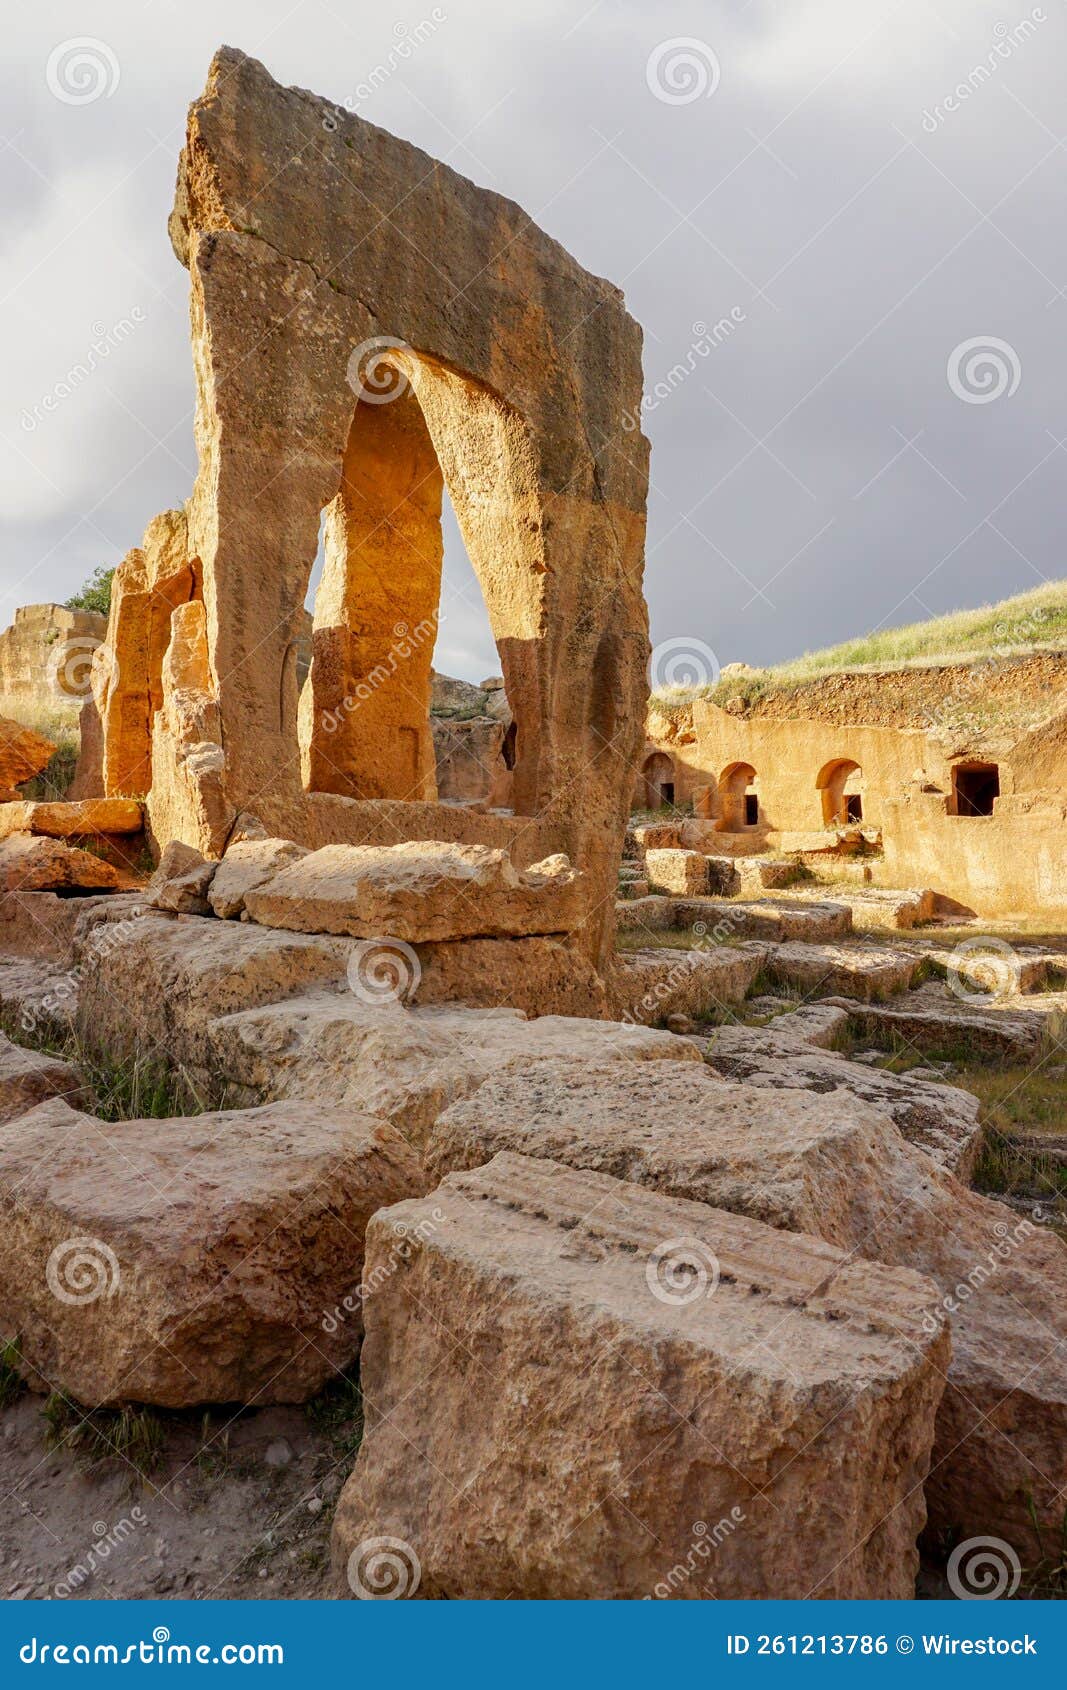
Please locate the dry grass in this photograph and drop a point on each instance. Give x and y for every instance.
(1008, 628)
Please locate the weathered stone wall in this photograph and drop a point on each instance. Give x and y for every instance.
(46, 653)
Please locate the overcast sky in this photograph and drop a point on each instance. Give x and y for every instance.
(863, 195)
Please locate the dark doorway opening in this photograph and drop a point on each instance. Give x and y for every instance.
(751, 809)
(975, 786)
(853, 807)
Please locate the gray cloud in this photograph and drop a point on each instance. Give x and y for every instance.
(814, 473)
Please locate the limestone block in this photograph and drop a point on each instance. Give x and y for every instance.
(538, 975)
(189, 1260)
(423, 890)
(247, 865)
(654, 983)
(683, 873)
(633, 1365)
(767, 918)
(864, 972)
(32, 863)
(29, 1076)
(835, 1167)
(85, 817)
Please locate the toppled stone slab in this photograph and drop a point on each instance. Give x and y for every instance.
(190, 1260)
(997, 969)
(682, 873)
(943, 1120)
(834, 1166)
(27, 1077)
(246, 866)
(32, 863)
(796, 1401)
(932, 1018)
(169, 976)
(423, 890)
(865, 972)
(651, 984)
(23, 754)
(84, 818)
(758, 873)
(652, 914)
(408, 1065)
(767, 918)
(878, 907)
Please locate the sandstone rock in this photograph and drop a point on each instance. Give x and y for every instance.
(756, 873)
(448, 694)
(683, 873)
(835, 1167)
(31, 863)
(29, 1076)
(407, 1065)
(423, 890)
(190, 1260)
(650, 985)
(763, 918)
(618, 1402)
(537, 975)
(182, 881)
(865, 973)
(45, 653)
(161, 987)
(23, 754)
(247, 865)
(932, 1018)
(941, 1119)
(39, 997)
(86, 817)
(876, 907)
(657, 836)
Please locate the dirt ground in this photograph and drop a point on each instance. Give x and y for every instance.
(239, 1505)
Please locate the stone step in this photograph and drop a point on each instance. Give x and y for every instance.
(640, 1363)
(866, 972)
(652, 984)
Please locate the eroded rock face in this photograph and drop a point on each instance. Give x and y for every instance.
(423, 890)
(654, 1405)
(651, 984)
(189, 1260)
(836, 1167)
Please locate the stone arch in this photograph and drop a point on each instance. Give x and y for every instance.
(739, 798)
(656, 785)
(840, 784)
(519, 364)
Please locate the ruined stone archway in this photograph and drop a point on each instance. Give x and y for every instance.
(840, 785)
(519, 365)
(739, 798)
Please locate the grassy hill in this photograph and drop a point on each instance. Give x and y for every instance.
(1036, 618)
